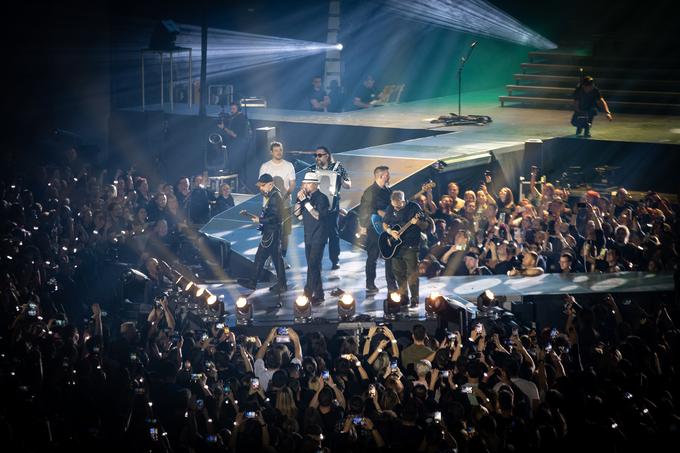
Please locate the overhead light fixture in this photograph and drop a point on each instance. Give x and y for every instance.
(164, 36)
(346, 307)
(392, 306)
(434, 304)
(244, 311)
(210, 298)
(302, 309)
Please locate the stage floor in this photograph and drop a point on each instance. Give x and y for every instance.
(510, 123)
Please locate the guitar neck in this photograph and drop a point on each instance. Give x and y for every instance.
(404, 228)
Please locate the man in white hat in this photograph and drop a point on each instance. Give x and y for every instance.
(312, 207)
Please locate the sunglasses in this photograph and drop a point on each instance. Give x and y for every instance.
(321, 154)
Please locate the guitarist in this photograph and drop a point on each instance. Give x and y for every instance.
(270, 224)
(405, 260)
(375, 200)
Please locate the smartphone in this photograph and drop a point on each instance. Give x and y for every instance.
(32, 309)
(548, 348)
(371, 391)
(154, 433)
(358, 421)
(553, 333)
(437, 417)
(211, 439)
(478, 328)
(227, 389)
(282, 335)
(250, 414)
(466, 389)
(255, 383)
(59, 322)
(515, 331)
(394, 365)
(196, 376)
(325, 374)
(204, 337)
(219, 325)
(133, 357)
(199, 404)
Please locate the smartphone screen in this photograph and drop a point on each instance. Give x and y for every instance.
(255, 383)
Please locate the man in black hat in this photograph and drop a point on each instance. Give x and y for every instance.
(270, 245)
(473, 267)
(312, 207)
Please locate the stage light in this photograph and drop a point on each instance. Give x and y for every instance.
(211, 298)
(392, 306)
(184, 283)
(346, 307)
(473, 16)
(244, 311)
(486, 300)
(435, 303)
(199, 292)
(338, 46)
(164, 36)
(302, 310)
(231, 51)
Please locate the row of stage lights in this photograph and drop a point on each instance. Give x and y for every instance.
(200, 293)
(435, 305)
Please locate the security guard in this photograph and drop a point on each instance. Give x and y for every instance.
(312, 207)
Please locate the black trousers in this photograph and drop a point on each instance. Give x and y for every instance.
(373, 252)
(270, 246)
(314, 247)
(405, 267)
(333, 236)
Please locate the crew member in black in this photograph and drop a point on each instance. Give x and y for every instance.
(374, 201)
(587, 99)
(234, 130)
(324, 161)
(270, 245)
(317, 99)
(366, 93)
(312, 207)
(406, 215)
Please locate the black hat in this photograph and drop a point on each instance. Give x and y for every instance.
(265, 178)
(472, 255)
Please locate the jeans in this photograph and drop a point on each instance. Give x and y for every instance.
(273, 250)
(373, 252)
(405, 267)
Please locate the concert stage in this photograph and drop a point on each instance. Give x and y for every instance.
(402, 137)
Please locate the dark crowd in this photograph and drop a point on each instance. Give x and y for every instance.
(74, 376)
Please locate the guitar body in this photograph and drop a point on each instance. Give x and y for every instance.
(388, 245)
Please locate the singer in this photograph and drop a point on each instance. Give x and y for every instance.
(312, 207)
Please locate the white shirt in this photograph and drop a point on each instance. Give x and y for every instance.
(283, 173)
(265, 375)
(527, 387)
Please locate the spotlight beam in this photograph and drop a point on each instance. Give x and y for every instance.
(472, 16)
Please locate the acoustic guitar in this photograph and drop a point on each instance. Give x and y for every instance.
(389, 245)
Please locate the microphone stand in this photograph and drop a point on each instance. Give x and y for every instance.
(463, 60)
(457, 120)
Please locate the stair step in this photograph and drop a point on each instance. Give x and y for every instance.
(602, 81)
(567, 103)
(605, 93)
(596, 70)
(572, 57)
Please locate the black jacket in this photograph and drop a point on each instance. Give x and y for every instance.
(272, 212)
